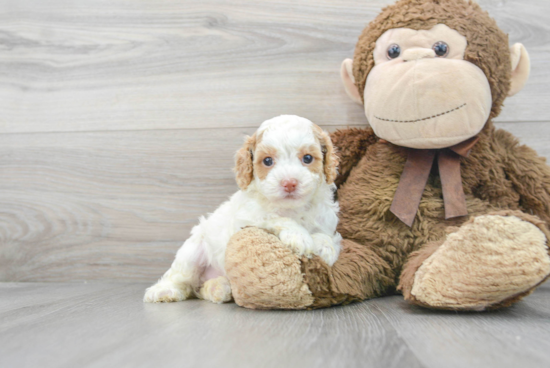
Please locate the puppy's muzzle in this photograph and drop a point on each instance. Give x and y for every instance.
(289, 185)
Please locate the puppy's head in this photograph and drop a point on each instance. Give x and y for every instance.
(288, 158)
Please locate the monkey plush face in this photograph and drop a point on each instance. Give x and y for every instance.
(424, 83)
(421, 92)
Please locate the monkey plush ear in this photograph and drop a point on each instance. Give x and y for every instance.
(244, 163)
(521, 66)
(346, 72)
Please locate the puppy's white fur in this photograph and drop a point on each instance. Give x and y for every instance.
(305, 219)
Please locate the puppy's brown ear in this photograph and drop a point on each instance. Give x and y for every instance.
(244, 166)
(330, 160)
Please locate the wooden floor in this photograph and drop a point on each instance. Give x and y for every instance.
(107, 325)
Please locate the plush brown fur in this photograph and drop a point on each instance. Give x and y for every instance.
(350, 155)
(358, 274)
(380, 253)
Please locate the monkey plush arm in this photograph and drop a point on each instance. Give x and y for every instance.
(351, 145)
(529, 174)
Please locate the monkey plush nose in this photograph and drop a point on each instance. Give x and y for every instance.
(417, 53)
(289, 185)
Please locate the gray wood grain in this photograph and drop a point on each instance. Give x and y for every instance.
(99, 325)
(127, 64)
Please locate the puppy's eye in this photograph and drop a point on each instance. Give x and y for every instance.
(441, 49)
(268, 161)
(307, 159)
(394, 51)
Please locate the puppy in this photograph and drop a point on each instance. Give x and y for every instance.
(285, 172)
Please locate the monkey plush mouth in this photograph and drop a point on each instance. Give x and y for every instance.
(422, 119)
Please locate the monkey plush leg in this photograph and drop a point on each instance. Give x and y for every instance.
(491, 261)
(266, 274)
(358, 274)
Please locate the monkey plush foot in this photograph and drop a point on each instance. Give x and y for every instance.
(489, 262)
(264, 273)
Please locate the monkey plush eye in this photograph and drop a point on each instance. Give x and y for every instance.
(268, 161)
(441, 48)
(394, 51)
(307, 159)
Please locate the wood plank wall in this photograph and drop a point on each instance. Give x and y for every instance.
(119, 118)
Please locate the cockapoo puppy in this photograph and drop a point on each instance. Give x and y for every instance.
(286, 172)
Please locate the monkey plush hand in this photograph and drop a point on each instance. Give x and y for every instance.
(435, 202)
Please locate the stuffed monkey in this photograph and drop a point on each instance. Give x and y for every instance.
(435, 203)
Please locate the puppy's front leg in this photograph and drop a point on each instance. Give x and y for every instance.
(327, 247)
(293, 235)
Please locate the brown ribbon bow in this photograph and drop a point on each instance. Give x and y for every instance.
(415, 176)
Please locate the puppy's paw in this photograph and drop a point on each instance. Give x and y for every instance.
(216, 290)
(326, 247)
(300, 242)
(166, 292)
